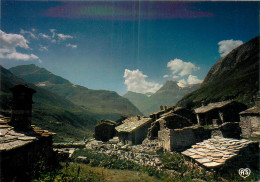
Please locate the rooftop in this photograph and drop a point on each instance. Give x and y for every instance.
(132, 123)
(252, 110)
(11, 139)
(204, 109)
(215, 152)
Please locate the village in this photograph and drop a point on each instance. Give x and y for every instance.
(211, 137)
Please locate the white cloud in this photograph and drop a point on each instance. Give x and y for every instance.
(181, 68)
(11, 41)
(42, 35)
(8, 45)
(43, 48)
(193, 80)
(226, 46)
(71, 45)
(23, 32)
(165, 76)
(63, 36)
(175, 77)
(190, 81)
(18, 56)
(135, 81)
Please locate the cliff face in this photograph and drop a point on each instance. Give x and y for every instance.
(235, 76)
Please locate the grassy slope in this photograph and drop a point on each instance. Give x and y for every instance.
(51, 111)
(107, 104)
(234, 77)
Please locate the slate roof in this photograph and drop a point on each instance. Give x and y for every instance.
(132, 123)
(108, 122)
(11, 139)
(215, 152)
(211, 106)
(252, 110)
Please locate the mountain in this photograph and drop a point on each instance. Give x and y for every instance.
(141, 101)
(106, 104)
(168, 94)
(235, 76)
(50, 111)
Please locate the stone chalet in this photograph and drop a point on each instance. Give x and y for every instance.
(250, 122)
(219, 112)
(22, 145)
(105, 130)
(133, 130)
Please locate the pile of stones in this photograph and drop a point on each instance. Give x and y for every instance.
(144, 154)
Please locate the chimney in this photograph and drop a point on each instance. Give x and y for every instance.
(22, 107)
(161, 107)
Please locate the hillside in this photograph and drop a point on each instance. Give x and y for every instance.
(106, 104)
(50, 111)
(168, 94)
(235, 76)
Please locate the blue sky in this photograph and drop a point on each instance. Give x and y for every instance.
(120, 46)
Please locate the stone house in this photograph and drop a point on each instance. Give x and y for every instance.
(105, 130)
(133, 130)
(163, 110)
(250, 122)
(23, 146)
(181, 139)
(170, 120)
(219, 112)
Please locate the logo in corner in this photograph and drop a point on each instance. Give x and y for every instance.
(244, 173)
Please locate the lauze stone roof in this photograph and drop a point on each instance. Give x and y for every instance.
(132, 123)
(11, 139)
(215, 152)
(204, 109)
(252, 110)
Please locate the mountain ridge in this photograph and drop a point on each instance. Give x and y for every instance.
(107, 104)
(50, 111)
(233, 77)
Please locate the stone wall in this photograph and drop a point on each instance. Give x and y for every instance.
(250, 126)
(227, 130)
(230, 130)
(181, 139)
(164, 138)
(25, 162)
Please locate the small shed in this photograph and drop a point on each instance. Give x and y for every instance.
(133, 130)
(250, 122)
(219, 112)
(105, 130)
